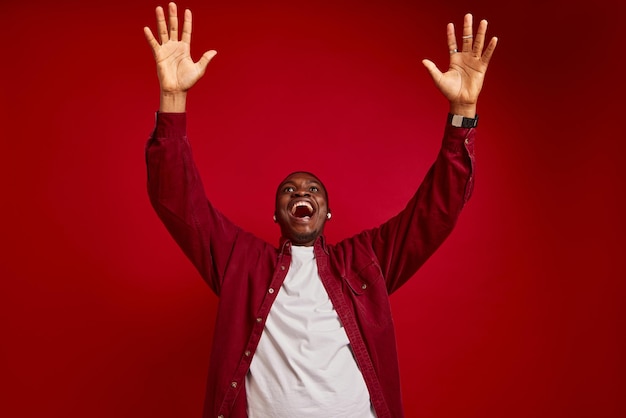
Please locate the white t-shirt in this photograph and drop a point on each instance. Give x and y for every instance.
(303, 366)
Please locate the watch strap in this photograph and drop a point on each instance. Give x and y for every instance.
(459, 121)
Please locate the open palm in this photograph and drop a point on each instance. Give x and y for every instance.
(462, 82)
(176, 70)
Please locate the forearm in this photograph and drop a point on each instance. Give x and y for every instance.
(173, 185)
(406, 241)
(177, 195)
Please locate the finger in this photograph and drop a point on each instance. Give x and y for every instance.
(187, 27)
(173, 20)
(432, 69)
(204, 61)
(489, 50)
(154, 44)
(467, 33)
(161, 25)
(479, 40)
(451, 38)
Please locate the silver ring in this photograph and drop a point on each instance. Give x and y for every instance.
(453, 51)
(468, 36)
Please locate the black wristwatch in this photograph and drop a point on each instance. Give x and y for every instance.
(459, 121)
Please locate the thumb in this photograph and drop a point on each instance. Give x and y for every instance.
(204, 60)
(432, 69)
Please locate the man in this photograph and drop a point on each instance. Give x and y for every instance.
(305, 329)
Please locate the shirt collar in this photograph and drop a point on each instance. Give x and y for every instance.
(285, 245)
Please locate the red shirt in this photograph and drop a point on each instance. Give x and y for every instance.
(358, 273)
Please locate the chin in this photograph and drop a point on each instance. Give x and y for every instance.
(303, 238)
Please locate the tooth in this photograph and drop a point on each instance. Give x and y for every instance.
(299, 204)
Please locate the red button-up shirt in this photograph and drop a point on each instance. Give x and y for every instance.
(358, 273)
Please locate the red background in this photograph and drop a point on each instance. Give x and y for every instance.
(519, 314)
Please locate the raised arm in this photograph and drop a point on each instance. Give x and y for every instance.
(462, 83)
(406, 241)
(174, 184)
(176, 70)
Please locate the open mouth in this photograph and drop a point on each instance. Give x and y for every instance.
(302, 210)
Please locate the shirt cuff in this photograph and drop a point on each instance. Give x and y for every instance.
(171, 125)
(458, 139)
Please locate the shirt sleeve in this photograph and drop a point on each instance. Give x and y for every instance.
(407, 240)
(178, 197)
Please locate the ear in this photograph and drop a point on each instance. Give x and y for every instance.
(329, 215)
(274, 217)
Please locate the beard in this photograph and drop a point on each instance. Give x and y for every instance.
(303, 238)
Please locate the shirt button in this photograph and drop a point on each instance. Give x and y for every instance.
(259, 319)
(364, 286)
(247, 353)
(282, 267)
(466, 141)
(220, 416)
(233, 384)
(270, 290)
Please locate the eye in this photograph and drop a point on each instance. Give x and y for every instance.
(288, 189)
(314, 189)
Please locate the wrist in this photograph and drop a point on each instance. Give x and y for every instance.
(465, 110)
(173, 102)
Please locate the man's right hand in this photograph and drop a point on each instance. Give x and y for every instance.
(176, 70)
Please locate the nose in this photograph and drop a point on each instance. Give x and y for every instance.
(300, 193)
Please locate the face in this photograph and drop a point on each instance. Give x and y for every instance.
(301, 208)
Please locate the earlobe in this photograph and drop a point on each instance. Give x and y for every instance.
(328, 215)
(274, 217)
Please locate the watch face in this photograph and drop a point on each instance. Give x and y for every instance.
(457, 120)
